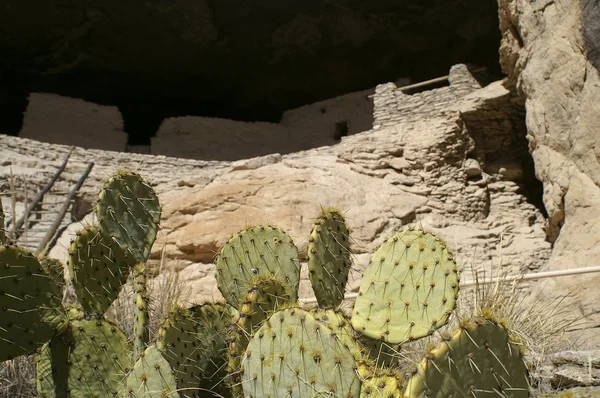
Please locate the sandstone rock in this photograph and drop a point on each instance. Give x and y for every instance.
(550, 51)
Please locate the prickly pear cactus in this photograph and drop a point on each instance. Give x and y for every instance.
(2, 224)
(194, 343)
(99, 268)
(52, 371)
(383, 354)
(329, 257)
(294, 355)
(379, 382)
(89, 358)
(409, 288)
(55, 270)
(30, 303)
(479, 360)
(265, 296)
(254, 252)
(141, 327)
(151, 377)
(339, 323)
(129, 212)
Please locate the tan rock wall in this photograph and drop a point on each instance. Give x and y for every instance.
(549, 50)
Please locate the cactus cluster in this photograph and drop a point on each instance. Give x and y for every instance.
(261, 342)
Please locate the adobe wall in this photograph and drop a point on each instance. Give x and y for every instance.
(61, 120)
(71, 121)
(319, 124)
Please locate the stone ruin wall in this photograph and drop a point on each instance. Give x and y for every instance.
(70, 121)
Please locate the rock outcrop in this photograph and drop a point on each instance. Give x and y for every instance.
(550, 50)
(441, 170)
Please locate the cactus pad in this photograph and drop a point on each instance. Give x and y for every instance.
(409, 288)
(129, 211)
(52, 371)
(265, 296)
(141, 327)
(255, 252)
(339, 323)
(99, 268)
(379, 382)
(193, 342)
(294, 355)
(89, 358)
(151, 377)
(30, 303)
(55, 270)
(479, 360)
(2, 226)
(329, 257)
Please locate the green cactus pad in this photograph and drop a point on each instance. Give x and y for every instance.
(479, 360)
(55, 270)
(99, 268)
(329, 257)
(30, 304)
(151, 377)
(141, 327)
(194, 343)
(379, 382)
(52, 371)
(294, 355)
(265, 296)
(98, 357)
(384, 354)
(88, 359)
(129, 211)
(409, 288)
(254, 252)
(2, 226)
(336, 320)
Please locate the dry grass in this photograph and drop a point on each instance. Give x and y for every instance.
(164, 292)
(17, 378)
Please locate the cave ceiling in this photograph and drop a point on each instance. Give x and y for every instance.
(236, 58)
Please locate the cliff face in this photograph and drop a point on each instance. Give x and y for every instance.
(551, 52)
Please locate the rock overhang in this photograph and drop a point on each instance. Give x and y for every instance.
(237, 59)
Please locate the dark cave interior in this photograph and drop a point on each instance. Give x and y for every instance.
(228, 59)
